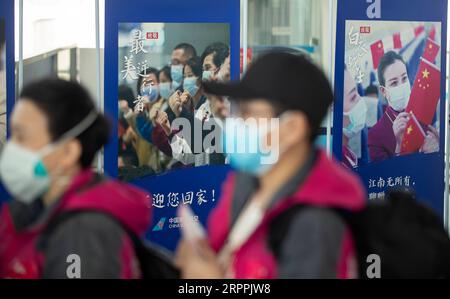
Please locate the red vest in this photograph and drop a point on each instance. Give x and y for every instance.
(19, 257)
(327, 185)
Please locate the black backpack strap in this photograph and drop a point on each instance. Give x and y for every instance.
(306, 240)
(279, 228)
(154, 261)
(281, 225)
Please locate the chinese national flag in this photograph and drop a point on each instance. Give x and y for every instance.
(413, 137)
(377, 52)
(425, 92)
(431, 50)
(418, 30)
(432, 34)
(397, 41)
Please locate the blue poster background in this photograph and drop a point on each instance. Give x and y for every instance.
(179, 182)
(426, 171)
(7, 14)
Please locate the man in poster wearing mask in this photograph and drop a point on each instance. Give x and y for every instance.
(244, 238)
(215, 63)
(385, 138)
(354, 120)
(180, 56)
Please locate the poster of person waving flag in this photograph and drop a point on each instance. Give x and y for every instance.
(389, 116)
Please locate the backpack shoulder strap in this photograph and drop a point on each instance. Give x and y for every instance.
(280, 225)
(154, 262)
(279, 228)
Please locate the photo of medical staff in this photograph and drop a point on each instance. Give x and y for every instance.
(2, 84)
(161, 70)
(391, 91)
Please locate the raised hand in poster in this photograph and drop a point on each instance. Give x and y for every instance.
(163, 120)
(175, 103)
(431, 143)
(399, 127)
(186, 100)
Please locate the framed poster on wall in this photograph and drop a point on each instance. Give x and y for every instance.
(389, 117)
(157, 53)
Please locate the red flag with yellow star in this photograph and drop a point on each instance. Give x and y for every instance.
(377, 50)
(418, 30)
(431, 50)
(425, 92)
(432, 34)
(397, 41)
(413, 137)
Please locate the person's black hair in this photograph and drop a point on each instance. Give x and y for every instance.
(371, 89)
(388, 59)
(309, 89)
(126, 93)
(196, 66)
(188, 49)
(148, 71)
(166, 71)
(220, 52)
(65, 105)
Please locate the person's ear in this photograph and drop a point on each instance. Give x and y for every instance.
(383, 91)
(294, 128)
(71, 152)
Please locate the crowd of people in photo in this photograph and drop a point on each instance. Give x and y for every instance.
(147, 143)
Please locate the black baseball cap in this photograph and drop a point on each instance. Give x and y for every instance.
(290, 81)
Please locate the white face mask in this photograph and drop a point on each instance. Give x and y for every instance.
(165, 90)
(398, 96)
(176, 72)
(257, 158)
(207, 75)
(23, 171)
(357, 116)
(249, 160)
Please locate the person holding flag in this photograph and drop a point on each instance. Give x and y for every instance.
(386, 137)
(422, 107)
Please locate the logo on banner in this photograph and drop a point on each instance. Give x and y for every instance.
(374, 9)
(160, 225)
(152, 35)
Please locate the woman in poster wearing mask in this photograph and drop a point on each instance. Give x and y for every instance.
(385, 138)
(354, 119)
(165, 85)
